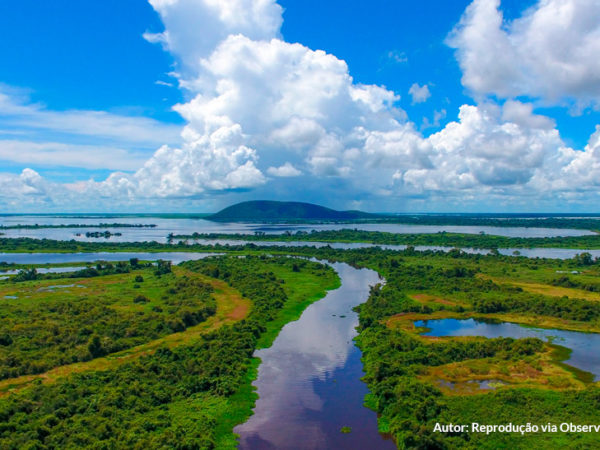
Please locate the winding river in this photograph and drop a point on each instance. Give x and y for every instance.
(309, 383)
(309, 380)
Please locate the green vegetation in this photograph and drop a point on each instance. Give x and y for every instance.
(99, 234)
(441, 239)
(192, 394)
(409, 375)
(69, 318)
(187, 396)
(271, 211)
(576, 221)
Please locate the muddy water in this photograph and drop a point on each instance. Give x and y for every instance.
(309, 380)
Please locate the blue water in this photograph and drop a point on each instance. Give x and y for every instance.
(164, 226)
(584, 346)
(309, 383)
(58, 258)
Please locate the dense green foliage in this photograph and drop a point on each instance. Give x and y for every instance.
(441, 239)
(50, 324)
(186, 397)
(395, 360)
(205, 376)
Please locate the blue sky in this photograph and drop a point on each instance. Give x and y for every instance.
(398, 106)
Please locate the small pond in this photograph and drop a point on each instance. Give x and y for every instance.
(584, 346)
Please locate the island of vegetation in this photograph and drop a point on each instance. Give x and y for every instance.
(440, 239)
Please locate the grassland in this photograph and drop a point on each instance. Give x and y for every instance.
(231, 307)
(415, 381)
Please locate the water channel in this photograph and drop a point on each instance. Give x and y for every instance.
(309, 380)
(177, 257)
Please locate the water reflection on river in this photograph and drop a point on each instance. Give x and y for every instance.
(309, 379)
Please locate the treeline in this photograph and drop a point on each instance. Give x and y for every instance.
(440, 239)
(99, 234)
(59, 328)
(101, 268)
(579, 221)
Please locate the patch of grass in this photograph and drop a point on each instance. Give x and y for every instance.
(550, 290)
(539, 371)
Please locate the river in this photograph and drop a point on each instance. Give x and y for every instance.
(309, 380)
(177, 257)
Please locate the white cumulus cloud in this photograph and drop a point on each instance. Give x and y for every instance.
(287, 170)
(260, 112)
(418, 93)
(550, 52)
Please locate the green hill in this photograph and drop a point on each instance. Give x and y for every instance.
(272, 211)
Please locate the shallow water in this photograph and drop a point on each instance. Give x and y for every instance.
(43, 270)
(555, 253)
(309, 380)
(189, 226)
(59, 286)
(177, 257)
(57, 258)
(479, 384)
(584, 346)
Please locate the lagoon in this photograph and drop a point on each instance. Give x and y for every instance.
(584, 346)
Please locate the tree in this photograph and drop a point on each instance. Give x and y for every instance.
(95, 346)
(583, 259)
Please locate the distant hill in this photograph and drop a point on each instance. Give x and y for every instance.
(272, 211)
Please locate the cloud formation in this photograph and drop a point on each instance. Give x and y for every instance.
(418, 93)
(32, 133)
(550, 52)
(264, 112)
(18, 113)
